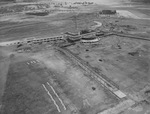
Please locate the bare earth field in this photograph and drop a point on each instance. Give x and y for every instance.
(123, 60)
(42, 78)
(28, 78)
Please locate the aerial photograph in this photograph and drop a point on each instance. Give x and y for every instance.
(74, 56)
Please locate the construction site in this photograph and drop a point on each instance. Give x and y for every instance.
(73, 58)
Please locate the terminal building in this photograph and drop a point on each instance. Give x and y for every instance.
(32, 40)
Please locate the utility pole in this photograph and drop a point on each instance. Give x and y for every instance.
(74, 19)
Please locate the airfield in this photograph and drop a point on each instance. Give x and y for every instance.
(74, 60)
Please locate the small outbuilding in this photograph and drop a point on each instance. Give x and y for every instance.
(108, 12)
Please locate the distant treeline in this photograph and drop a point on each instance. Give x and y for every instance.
(7, 0)
(143, 1)
(18, 0)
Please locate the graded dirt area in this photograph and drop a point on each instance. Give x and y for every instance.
(50, 82)
(110, 72)
(19, 26)
(40, 27)
(76, 83)
(125, 61)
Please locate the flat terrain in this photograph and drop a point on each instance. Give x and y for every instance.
(41, 79)
(123, 60)
(27, 79)
(19, 26)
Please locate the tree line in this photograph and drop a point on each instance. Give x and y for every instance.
(143, 1)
